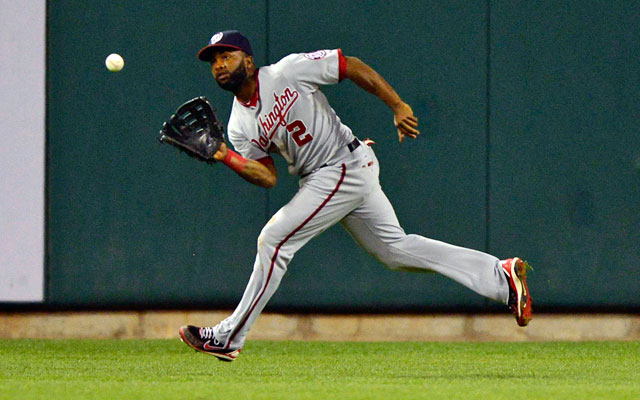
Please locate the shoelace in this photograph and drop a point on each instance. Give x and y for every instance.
(207, 332)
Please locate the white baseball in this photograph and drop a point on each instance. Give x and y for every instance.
(114, 62)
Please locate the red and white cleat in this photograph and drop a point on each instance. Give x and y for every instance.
(519, 296)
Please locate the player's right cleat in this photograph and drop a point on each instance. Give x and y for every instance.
(519, 298)
(202, 339)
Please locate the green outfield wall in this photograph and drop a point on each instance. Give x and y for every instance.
(530, 147)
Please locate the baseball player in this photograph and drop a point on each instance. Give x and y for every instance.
(280, 109)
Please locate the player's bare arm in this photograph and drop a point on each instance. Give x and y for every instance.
(252, 171)
(371, 81)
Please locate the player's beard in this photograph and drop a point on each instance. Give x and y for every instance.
(236, 78)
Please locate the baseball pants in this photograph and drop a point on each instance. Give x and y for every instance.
(348, 191)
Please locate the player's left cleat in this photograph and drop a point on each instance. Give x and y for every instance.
(519, 297)
(202, 339)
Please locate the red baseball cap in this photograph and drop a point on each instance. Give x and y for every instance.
(231, 39)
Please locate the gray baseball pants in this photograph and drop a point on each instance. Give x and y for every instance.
(348, 191)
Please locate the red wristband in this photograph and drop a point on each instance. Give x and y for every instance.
(234, 161)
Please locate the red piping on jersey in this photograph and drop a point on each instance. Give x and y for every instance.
(275, 254)
(256, 95)
(342, 66)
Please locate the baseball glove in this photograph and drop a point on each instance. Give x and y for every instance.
(194, 129)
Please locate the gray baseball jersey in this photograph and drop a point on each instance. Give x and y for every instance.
(290, 115)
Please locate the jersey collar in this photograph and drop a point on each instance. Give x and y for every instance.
(256, 96)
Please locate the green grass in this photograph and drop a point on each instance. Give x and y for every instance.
(167, 369)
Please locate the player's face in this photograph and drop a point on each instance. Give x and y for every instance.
(229, 70)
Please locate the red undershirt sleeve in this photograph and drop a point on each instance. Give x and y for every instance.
(265, 160)
(342, 66)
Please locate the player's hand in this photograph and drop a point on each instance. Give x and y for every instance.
(221, 153)
(405, 121)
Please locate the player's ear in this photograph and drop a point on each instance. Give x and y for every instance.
(249, 63)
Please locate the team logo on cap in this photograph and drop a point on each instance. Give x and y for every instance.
(316, 55)
(216, 38)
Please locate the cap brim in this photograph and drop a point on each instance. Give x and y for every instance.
(206, 53)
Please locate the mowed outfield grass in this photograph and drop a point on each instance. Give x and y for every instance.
(167, 369)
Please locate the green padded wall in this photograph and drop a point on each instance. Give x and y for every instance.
(530, 147)
(565, 157)
(133, 222)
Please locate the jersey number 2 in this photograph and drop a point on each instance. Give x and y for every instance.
(298, 132)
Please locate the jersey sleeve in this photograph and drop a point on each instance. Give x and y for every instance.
(321, 67)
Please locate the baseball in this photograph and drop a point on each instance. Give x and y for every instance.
(114, 62)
